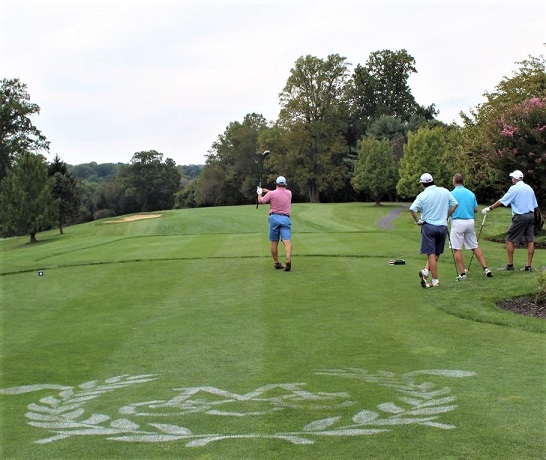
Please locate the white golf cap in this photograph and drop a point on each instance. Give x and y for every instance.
(426, 178)
(281, 180)
(517, 174)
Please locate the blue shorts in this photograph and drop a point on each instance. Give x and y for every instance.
(279, 227)
(433, 239)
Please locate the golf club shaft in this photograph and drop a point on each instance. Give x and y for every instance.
(452, 253)
(478, 240)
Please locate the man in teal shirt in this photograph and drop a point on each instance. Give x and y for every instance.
(463, 232)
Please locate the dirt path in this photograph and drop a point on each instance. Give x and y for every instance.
(386, 221)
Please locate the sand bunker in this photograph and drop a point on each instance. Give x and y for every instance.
(133, 218)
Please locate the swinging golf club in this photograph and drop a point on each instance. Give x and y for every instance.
(477, 241)
(266, 152)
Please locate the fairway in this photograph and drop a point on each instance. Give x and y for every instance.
(173, 337)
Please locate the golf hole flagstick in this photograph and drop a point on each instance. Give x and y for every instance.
(266, 152)
(477, 241)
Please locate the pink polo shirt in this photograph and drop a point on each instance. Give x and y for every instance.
(279, 200)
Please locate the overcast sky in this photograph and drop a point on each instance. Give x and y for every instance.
(115, 77)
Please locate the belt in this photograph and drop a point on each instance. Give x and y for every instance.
(278, 214)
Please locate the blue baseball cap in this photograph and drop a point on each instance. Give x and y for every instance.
(281, 180)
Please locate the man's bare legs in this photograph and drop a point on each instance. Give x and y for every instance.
(510, 247)
(480, 257)
(459, 260)
(458, 253)
(432, 265)
(288, 249)
(530, 253)
(275, 250)
(510, 252)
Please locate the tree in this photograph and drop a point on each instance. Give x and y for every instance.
(481, 135)
(529, 81)
(375, 170)
(111, 199)
(64, 192)
(232, 168)
(426, 151)
(17, 133)
(190, 172)
(519, 142)
(93, 172)
(380, 88)
(150, 181)
(314, 120)
(26, 203)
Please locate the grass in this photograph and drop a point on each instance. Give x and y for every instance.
(345, 341)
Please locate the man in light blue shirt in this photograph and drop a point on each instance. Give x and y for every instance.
(521, 197)
(435, 204)
(463, 231)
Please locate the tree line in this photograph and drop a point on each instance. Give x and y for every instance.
(340, 136)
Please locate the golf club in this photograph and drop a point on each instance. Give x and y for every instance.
(453, 254)
(478, 240)
(266, 152)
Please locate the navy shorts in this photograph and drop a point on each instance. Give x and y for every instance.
(433, 239)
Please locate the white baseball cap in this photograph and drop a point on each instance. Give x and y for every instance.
(281, 180)
(517, 174)
(426, 178)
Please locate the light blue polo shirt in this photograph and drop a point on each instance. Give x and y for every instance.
(434, 203)
(467, 203)
(521, 197)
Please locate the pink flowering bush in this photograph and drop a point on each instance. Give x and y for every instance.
(519, 141)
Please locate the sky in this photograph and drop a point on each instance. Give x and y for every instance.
(116, 77)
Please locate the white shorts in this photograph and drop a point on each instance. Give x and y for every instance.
(463, 233)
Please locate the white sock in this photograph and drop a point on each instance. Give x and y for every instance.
(435, 282)
(425, 272)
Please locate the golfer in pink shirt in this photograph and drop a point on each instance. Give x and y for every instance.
(279, 201)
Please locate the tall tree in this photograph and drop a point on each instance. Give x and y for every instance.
(380, 88)
(26, 203)
(519, 141)
(482, 132)
(427, 150)
(529, 81)
(315, 119)
(151, 181)
(64, 192)
(17, 133)
(376, 171)
(230, 173)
